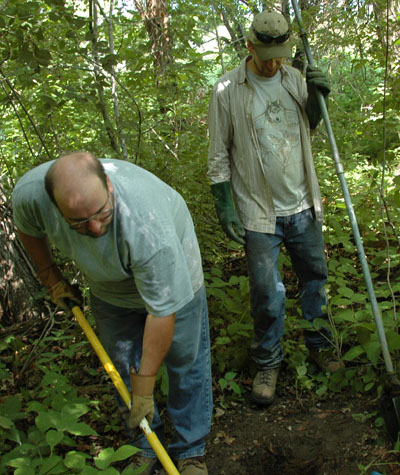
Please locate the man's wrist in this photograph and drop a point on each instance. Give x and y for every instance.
(142, 385)
(50, 275)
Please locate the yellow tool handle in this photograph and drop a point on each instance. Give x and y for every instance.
(151, 436)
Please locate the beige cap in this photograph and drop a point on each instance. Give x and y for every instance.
(269, 34)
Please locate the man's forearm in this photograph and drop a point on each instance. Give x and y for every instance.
(157, 339)
(40, 253)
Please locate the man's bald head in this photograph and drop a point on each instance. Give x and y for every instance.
(70, 173)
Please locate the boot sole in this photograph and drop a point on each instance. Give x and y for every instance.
(262, 401)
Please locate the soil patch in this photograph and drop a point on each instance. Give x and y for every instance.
(299, 435)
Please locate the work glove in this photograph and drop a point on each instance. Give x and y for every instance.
(142, 399)
(226, 213)
(62, 291)
(315, 79)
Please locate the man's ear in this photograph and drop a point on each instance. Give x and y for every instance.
(250, 47)
(110, 187)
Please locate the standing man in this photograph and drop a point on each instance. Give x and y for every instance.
(133, 238)
(260, 116)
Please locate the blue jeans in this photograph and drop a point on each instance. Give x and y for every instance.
(188, 364)
(303, 239)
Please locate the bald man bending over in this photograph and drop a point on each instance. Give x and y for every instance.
(133, 238)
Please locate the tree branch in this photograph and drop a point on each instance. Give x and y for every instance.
(18, 98)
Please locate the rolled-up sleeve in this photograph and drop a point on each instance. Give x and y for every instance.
(220, 132)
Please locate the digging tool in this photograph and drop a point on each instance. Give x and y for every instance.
(390, 402)
(151, 436)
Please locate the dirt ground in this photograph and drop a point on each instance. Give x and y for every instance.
(297, 435)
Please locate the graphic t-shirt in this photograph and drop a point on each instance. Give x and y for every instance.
(277, 124)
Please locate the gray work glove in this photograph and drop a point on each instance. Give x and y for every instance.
(315, 79)
(62, 291)
(142, 399)
(226, 212)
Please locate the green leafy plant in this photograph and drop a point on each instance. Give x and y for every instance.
(40, 429)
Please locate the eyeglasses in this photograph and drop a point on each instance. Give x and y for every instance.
(268, 39)
(102, 215)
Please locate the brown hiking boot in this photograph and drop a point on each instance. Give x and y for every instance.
(192, 466)
(326, 360)
(264, 385)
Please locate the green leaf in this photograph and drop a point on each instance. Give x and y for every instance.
(301, 370)
(360, 298)
(49, 464)
(393, 340)
(27, 449)
(124, 452)
(35, 406)
(88, 470)
(353, 353)
(379, 422)
(230, 375)
(322, 390)
(5, 422)
(47, 420)
(24, 471)
(340, 301)
(373, 350)
(54, 437)
(216, 292)
(235, 387)
(363, 335)
(222, 340)
(75, 460)
(163, 376)
(14, 435)
(319, 323)
(35, 435)
(360, 417)
(238, 328)
(74, 410)
(19, 462)
(223, 383)
(51, 378)
(11, 408)
(369, 386)
(232, 306)
(104, 458)
(76, 428)
(109, 61)
(345, 292)
(345, 315)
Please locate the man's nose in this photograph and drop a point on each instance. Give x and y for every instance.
(94, 226)
(270, 63)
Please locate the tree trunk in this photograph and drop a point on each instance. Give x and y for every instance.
(18, 283)
(155, 17)
(93, 27)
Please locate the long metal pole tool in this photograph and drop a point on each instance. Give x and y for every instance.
(349, 204)
(151, 436)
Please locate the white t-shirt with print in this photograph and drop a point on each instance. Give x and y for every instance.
(277, 124)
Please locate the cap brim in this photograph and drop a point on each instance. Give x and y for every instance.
(266, 52)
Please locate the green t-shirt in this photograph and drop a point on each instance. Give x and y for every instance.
(149, 256)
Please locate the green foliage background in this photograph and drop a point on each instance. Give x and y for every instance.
(64, 87)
